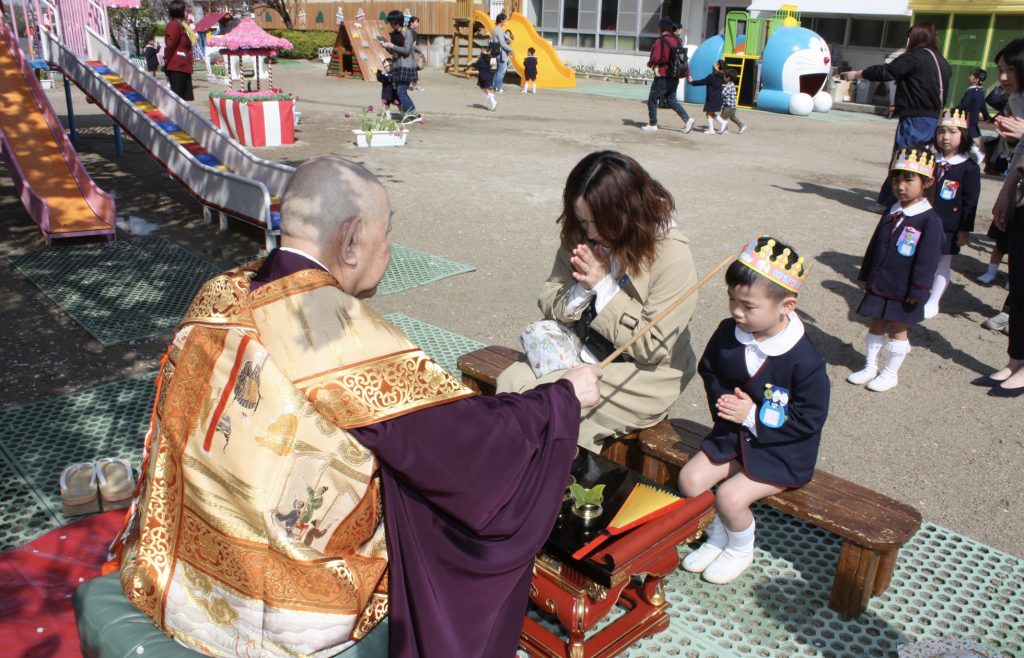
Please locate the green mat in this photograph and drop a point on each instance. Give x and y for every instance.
(38, 440)
(944, 585)
(442, 345)
(409, 268)
(132, 289)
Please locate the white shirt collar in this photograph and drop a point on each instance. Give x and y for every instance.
(304, 255)
(955, 160)
(780, 343)
(915, 208)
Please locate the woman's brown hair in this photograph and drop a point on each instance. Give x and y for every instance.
(630, 209)
(921, 35)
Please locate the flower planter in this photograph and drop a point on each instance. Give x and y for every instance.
(380, 138)
(255, 122)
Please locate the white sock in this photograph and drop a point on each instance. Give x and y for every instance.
(722, 123)
(939, 285)
(874, 344)
(715, 533)
(898, 351)
(742, 542)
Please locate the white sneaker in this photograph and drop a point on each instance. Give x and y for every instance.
(523, 91)
(649, 128)
(688, 127)
(883, 382)
(987, 277)
(723, 130)
(727, 567)
(997, 322)
(743, 128)
(863, 376)
(709, 131)
(494, 105)
(500, 91)
(534, 91)
(698, 561)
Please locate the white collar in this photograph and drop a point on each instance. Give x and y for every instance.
(780, 343)
(955, 160)
(304, 255)
(915, 208)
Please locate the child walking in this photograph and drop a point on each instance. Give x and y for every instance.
(730, 76)
(974, 105)
(958, 186)
(899, 268)
(768, 393)
(485, 78)
(530, 70)
(388, 93)
(713, 101)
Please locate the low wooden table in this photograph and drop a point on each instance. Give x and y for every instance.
(580, 593)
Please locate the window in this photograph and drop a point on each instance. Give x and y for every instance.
(896, 34)
(569, 40)
(711, 21)
(608, 42)
(832, 30)
(588, 16)
(866, 32)
(571, 14)
(537, 11)
(609, 13)
(646, 43)
(626, 21)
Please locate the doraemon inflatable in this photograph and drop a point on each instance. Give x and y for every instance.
(701, 62)
(794, 68)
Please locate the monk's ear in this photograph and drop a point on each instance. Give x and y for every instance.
(347, 242)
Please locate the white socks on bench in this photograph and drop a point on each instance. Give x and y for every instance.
(725, 554)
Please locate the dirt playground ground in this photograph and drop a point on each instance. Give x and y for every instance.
(484, 188)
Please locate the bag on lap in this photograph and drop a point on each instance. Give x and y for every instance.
(550, 346)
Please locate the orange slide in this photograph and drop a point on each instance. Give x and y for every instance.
(551, 72)
(50, 180)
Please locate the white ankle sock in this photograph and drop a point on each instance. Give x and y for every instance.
(742, 542)
(939, 285)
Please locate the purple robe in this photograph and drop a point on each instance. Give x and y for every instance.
(472, 490)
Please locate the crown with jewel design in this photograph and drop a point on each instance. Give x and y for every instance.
(954, 118)
(776, 269)
(918, 161)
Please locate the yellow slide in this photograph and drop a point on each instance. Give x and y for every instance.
(551, 72)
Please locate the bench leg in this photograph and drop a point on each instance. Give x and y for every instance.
(886, 565)
(653, 468)
(623, 450)
(855, 580)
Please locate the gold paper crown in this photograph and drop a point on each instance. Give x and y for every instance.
(954, 117)
(777, 270)
(919, 162)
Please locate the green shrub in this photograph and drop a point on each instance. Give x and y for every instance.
(306, 43)
(159, 29)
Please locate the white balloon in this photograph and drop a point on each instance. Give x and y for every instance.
(822, 102)
(801, 104)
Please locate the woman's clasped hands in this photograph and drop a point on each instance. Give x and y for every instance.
(590, 265)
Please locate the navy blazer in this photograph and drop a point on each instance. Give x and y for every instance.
(973, 103)
(956, 200)
(784, 455)
(893, 276)
(714, 82)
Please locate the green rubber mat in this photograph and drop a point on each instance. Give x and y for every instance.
(442, 345)
(25, 515)
(132, 289)
(944, 585)
(40, 439)
(409, 268)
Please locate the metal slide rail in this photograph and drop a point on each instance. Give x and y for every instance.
(101, 203)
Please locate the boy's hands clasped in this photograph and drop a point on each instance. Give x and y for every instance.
(734, 407)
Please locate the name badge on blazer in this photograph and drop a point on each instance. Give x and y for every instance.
(907, 244)
(949, 189)
(773, 409)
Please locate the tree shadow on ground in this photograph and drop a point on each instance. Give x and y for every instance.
(957, 297)
(858, 197)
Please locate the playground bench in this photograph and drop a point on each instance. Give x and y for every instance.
(873, 526)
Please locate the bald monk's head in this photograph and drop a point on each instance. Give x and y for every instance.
(338, 212)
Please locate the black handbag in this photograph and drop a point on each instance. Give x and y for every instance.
(997, 98)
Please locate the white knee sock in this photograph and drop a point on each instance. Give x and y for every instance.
(722, 123)
(898, 351)
(715, 534)
(939, 284)
(874, 343)
(742, 542)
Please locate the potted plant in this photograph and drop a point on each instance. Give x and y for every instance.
(378, 128)
(218, 73)
(586, 503)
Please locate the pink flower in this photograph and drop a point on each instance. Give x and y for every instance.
(347, 115)
(369, 109)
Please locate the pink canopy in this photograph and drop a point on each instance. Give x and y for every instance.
(122, 4)
(247, 35)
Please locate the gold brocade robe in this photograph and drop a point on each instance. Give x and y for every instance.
(257, 530)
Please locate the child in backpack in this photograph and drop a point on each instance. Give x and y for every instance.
(958, 186)
(899, 268)
(530, 70)
(730, 75)
(713, 101)
(485, 78)
(388, 93)
(768, 393)
(150, 52)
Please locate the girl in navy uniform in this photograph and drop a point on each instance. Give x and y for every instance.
(768, 393)
(485, 77)
(899, 268)
(713, 101)
(958, 186)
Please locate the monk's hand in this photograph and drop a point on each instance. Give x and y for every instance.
(586, 383)
(735, 407)
(589, 265)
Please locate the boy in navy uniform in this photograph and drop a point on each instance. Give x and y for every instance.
(768, 393)
(973, 102)
(530, 70)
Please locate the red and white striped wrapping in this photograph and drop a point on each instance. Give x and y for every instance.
(255, 123)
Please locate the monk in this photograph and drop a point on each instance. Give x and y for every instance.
(309, 471)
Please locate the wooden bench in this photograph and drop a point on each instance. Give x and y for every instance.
(873, 526)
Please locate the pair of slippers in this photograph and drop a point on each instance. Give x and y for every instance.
(84, 486)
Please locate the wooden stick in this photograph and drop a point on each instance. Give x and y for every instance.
(668, 309)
